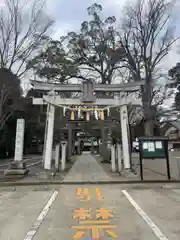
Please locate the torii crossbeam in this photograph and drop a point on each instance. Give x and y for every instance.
(127, 87)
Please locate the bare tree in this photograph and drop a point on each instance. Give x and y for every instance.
(23, 25)
(147, 36)
(10, 95)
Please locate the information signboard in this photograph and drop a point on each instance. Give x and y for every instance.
(153, 148)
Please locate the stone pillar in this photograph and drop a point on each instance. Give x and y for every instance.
(125, 136)
(104, 151)
(92, 146)
(19, 144)
(116, 153)
(49, 137)
(109, 137)
(113, 158)
(73, 140)
(119, 157)
(78, 147)
(87, 116)
(18, 167)
(63, 155)
(70, 139)
(98, 145)
(103, 137)
(57, 156)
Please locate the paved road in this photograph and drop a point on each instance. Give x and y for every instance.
(89, 211)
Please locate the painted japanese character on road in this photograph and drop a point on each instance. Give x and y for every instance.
(87, 223)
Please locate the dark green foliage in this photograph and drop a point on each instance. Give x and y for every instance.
(11, 107)
(92, 53)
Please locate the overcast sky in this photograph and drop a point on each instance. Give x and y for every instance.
(68, 15)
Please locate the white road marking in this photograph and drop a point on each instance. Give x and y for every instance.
(34, 164)
(147, 219)
(24, 160)
(4, 164)
(30, 235)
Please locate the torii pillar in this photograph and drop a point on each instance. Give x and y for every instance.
(70, 139)
(124, 132)
(125, 136)
(48, 141)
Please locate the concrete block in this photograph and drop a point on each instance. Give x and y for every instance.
(16, 168)
(20, 172)
(46, 175)
(17, 165)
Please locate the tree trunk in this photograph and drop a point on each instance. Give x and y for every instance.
(148, 123)
(147, 109)
(149, 127)
(104, 151)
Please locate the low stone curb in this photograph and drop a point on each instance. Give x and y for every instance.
(165, 184)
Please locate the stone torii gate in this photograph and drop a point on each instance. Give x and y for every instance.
(87, 92)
